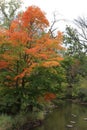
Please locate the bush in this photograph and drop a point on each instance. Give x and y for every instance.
(40, 115)
(85, 99)
(58, 102)
(82, 94)
(10, 101)
(18, 121)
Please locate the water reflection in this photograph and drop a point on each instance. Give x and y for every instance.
(66, 116)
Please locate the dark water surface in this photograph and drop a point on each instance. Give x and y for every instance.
(70, 114)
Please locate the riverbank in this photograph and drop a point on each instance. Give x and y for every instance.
(66, 115)
(77, 101)
(57, 104)
(21, 121)
(31, 124)
(28, 121)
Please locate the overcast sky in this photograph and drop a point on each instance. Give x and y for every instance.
(65, 9)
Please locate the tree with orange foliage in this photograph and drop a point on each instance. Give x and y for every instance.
(30, 45)
(26, 45)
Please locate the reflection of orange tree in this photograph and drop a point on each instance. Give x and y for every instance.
(26, 45)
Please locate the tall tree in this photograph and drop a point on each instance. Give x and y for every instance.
(26, 46)
(81, 23)
(8, 11)
(72, 42)
(75, 48)
(75, 57)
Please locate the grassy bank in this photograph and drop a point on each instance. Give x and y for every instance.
(20, 121)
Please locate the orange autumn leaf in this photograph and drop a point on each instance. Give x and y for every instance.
(3, 64)
(49, 96)
(34, 15)
(14, 25)
(50, 64)
(32, 50)
(58, 58)
(26, 71)
(18, 37)
(42, 56)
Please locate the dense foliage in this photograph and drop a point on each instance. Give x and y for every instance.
(28, 60)
(34, 66)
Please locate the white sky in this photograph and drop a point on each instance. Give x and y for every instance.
(65, 9)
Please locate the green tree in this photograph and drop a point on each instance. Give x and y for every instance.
(8, 11)
(75, 58)
(72, 42)
(75, 49)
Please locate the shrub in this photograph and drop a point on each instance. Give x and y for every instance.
(10, 101)
(82, 94)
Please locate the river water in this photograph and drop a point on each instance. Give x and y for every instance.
(67, 117)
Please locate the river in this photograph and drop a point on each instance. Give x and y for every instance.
(70, 116)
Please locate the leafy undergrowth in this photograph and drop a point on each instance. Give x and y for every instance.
(16, 123)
